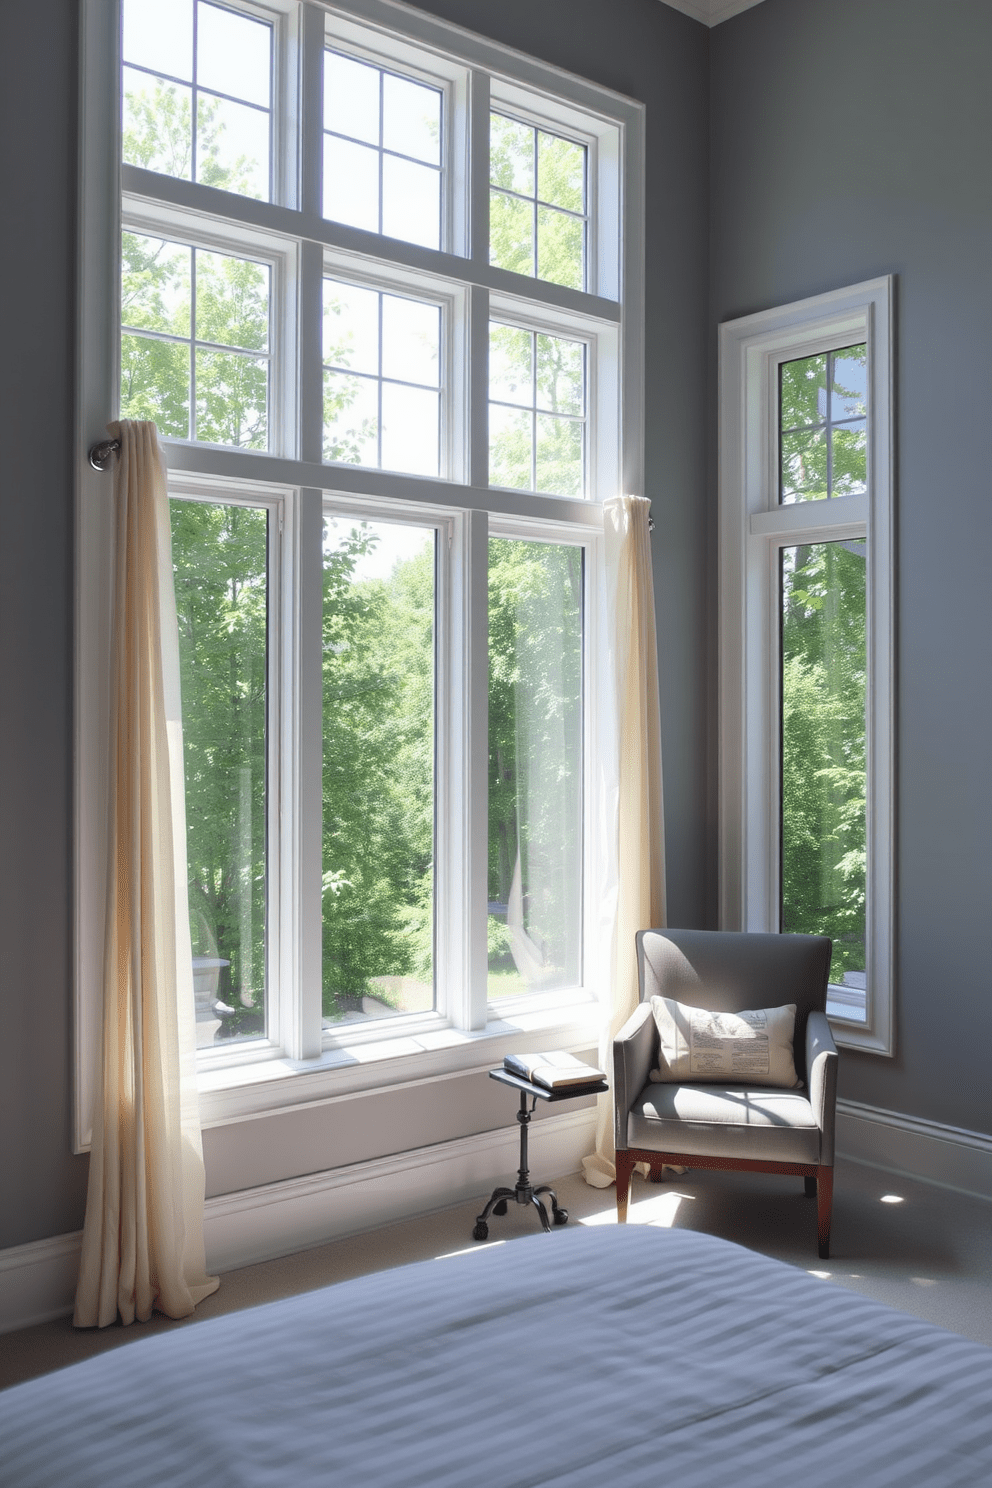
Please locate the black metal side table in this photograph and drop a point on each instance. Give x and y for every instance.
(524, 1192)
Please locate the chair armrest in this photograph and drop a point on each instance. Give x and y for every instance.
(821, 1071)
(632, 1051)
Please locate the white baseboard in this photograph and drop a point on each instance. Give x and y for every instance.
(38, 1281)
(948, 1156)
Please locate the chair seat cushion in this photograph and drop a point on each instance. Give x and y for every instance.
(766, 1125)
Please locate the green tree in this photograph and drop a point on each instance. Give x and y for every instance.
(378, 824)
(823, 747)
(219, 559)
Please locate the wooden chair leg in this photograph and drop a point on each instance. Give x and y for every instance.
(625, 1164)
(824, 1207)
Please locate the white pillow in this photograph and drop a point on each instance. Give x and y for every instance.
(753, 1047)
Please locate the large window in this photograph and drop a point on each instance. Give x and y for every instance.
(806, 637)
(377, 291)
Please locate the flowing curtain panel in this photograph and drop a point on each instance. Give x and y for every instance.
(633, 657)
(143, 1235)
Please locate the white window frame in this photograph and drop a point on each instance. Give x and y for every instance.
(296, 1063)
(754, 528)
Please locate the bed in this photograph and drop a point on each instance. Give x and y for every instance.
(600, 1356)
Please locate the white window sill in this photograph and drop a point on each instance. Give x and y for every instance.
(242, 1091)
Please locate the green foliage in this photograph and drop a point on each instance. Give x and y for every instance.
(219, 558)
(378, 806)
(517, 226)
(232, 309)
(823, 747)
(157, 133)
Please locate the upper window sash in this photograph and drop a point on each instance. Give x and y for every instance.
(754, 527)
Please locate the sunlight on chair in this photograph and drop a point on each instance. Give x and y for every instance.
(892, 1199)
(660, 1210)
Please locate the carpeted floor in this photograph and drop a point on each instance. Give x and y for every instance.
(912, 1245)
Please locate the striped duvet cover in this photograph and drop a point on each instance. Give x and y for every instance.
(597, 1358)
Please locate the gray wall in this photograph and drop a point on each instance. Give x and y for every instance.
(652, 53)
(851, 138)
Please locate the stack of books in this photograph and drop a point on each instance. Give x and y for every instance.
(555, 1070)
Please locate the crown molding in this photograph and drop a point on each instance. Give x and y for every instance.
(711, 12)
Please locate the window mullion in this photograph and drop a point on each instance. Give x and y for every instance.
(311, 384)
(478, 389)
(463, 773)
(311, 72)
(300, 981)
(478, 179)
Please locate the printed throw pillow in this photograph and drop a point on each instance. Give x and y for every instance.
(753, 1047)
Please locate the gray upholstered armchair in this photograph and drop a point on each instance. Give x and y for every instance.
(762, 1128)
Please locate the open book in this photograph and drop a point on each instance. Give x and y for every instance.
(555, 1070)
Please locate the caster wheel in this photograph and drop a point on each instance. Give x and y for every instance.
(500, 1207)
(561, 1216)
(481, 1231)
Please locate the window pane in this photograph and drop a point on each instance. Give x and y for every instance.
(351, 419)
(155, 383)
(232, 399)
(511, 364)
(804, 466)
(351, 98)
(155, 284)
(511, 155)
(411, 334)
(850, 452)
(823, 748)
(410, 429)
(219, 556)
(351, 326)
(804, 392)
(232, 301)
(232, 147)
(511, 233)
(537, 449)
(558, 456)
(378, 804)
(823, 403)
(561, 172)
(560, 241)
(411, 119)
(351, 183)
(849, 384)
(411, 202)
(560, 374)
(159, 34)
(157, 125)
(511, 434)
(535, 766)
(233, 54)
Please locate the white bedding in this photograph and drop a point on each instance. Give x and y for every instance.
(600, 1358)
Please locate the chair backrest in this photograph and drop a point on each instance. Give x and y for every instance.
(726, 971)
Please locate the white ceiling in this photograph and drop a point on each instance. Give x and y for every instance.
(711, 12)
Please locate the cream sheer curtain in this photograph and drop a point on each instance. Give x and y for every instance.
(640, 848)
(143, 1235)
